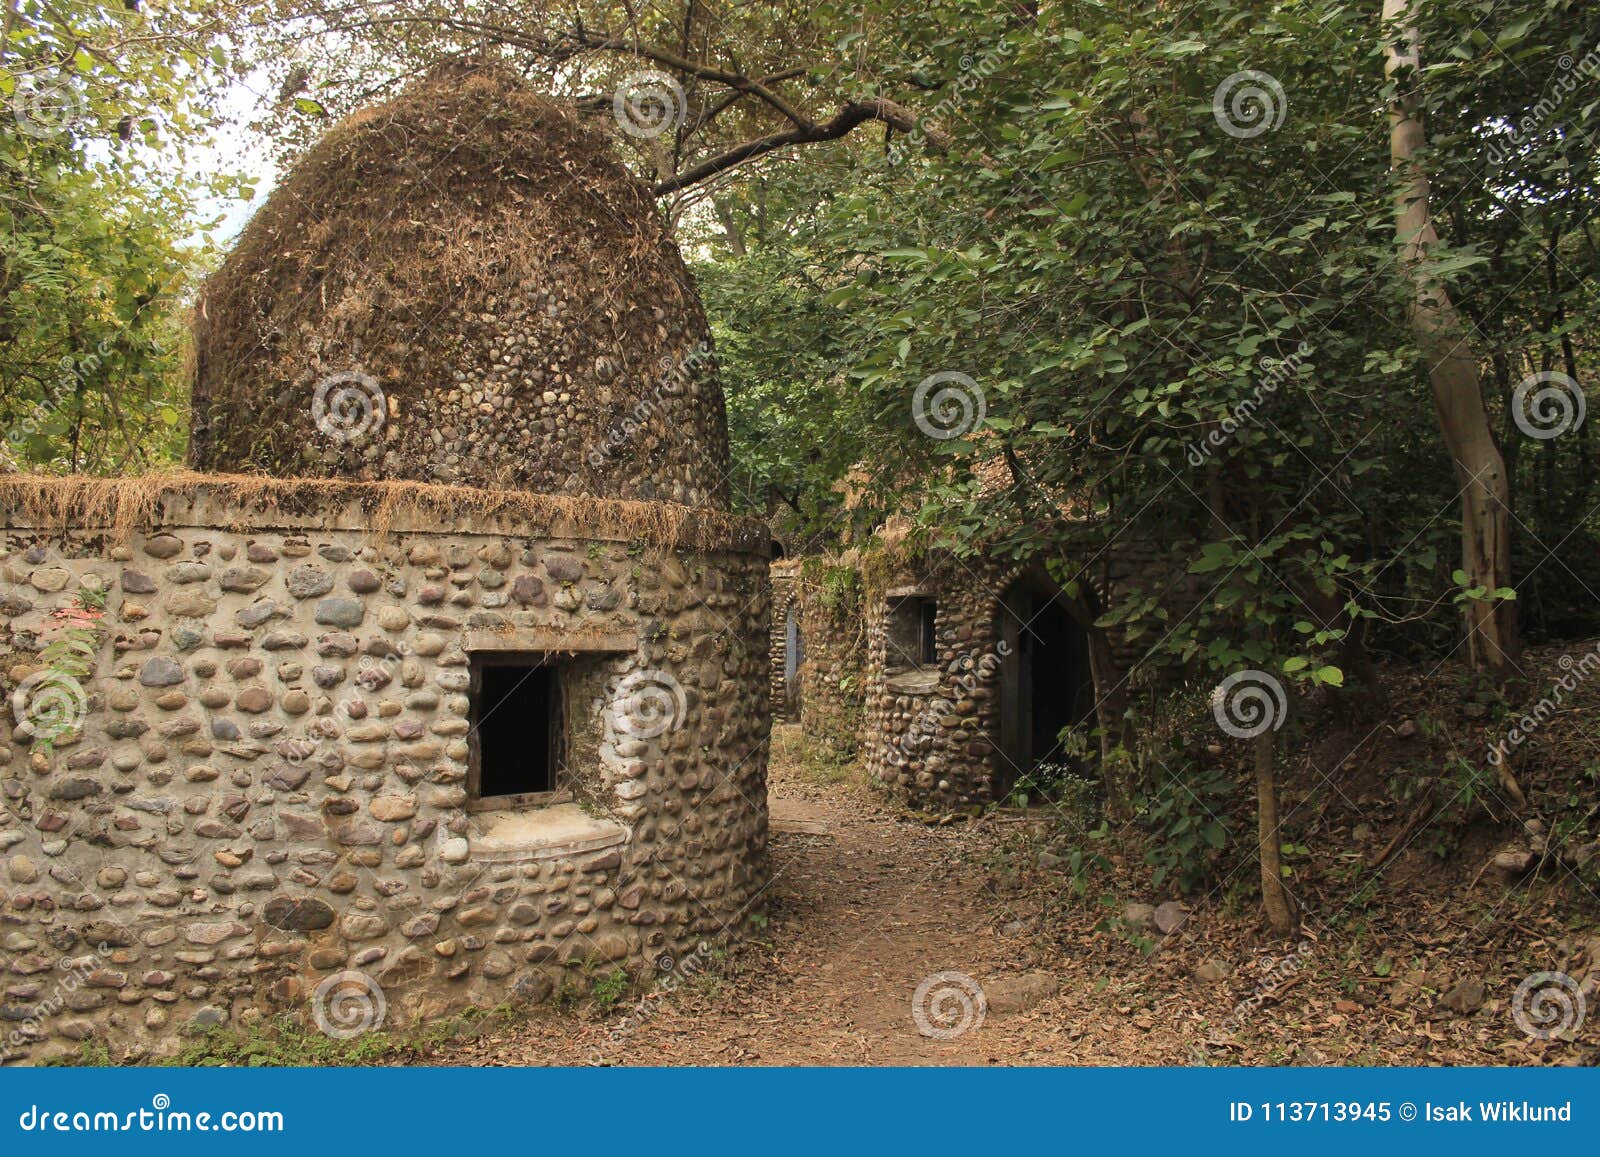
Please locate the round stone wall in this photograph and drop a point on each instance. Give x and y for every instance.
(258, 786)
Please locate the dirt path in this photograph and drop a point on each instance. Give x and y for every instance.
(864, 908)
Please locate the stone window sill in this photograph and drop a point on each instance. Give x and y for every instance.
(547, 833)
(919, 681)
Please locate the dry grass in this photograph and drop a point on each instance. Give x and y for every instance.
(56, 503)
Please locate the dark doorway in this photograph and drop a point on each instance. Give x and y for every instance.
(515, 743)
(1045, 680)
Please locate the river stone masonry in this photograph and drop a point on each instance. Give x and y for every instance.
(269, 783)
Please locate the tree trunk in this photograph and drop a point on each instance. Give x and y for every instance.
(1269, 839)
(1491, 624)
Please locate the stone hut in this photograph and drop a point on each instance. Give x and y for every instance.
(469, 699)
(973, 667)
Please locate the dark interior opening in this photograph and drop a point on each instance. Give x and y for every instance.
(516, 726)
(1046, 682)
(913, 640)
(928, 640)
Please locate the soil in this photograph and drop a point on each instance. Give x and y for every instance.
(865, 906)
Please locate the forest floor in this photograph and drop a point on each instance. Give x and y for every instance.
(866, 905)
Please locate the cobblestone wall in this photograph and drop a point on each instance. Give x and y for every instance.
(831, 687)
(930, 734)
(267, 783)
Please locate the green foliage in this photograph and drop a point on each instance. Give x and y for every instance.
(97, 205)
(609, 988)
(1185, 814)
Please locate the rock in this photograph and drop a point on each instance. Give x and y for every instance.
(362, 926)
(1466, 997)
(260, 612)
(1020, 993)
(213, 933)
(563, 568)
(298, 915)
(341, 612)
(392, 808)
(454, 851)
(1170, 916)
(160, 672)
(254, 700)
(1139, 917)
(308, 582)
(50, 579)
(243, 579)
(1213, 970)
(1516, 861)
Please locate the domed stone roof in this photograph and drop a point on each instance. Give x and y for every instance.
(463, 285)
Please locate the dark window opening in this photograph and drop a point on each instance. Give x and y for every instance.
(913, 635)
(516, 743)
(929, 641)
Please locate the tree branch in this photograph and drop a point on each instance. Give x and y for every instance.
(848, 118)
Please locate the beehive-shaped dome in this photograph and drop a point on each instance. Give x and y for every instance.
(465, 286)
